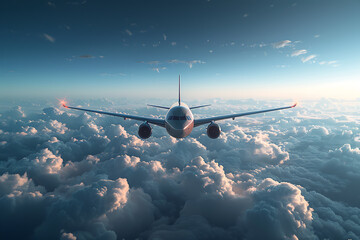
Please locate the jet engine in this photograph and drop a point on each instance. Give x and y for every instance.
(213, 130)
(144, 130)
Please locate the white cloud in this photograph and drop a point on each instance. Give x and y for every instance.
(271, 176)
(190, 63)
(330, 63)
(262, 45)
(165, 37)
(173, 43)
(281, 44)
(67, 236)
(48, 37)
(128, 32)
(158, 69)
(298, 52)
(308, 58)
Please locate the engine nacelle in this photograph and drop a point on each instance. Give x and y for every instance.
(144, 130)
(213, 130)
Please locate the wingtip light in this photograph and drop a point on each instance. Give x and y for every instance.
(63, 103)
(294, 105)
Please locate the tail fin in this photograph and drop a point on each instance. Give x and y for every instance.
(179, 91)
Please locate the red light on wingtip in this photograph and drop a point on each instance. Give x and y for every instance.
(63, 103)
(294, 105)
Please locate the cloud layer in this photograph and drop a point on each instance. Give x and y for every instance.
(281, 44)
(285, 175)
(48, 37)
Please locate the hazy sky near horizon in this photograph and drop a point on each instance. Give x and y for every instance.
(229, 49)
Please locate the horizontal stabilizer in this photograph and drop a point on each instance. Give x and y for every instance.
(157, 106)
(201, 106)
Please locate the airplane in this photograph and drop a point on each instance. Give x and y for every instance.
(179, 120)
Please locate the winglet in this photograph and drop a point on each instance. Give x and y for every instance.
(294, 105)
(179, 91)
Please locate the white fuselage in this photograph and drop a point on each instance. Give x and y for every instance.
(179, 120)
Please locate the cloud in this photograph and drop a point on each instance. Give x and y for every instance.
(308, 58)
(281, 44)
(154, 62)
(164, 36)
(51, 4)
(330, 63)
(67, 236)
(189, 63)
(72, 175)
(86, 56)
(48, 37)
(158, 69)
(173, 43)
(128, 32)
(298, 52)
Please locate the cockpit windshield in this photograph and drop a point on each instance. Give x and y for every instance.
(179, 118)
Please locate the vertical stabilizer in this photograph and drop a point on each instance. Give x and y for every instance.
(179, 91)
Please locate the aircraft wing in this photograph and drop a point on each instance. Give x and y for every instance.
(155, 121)
(198, 122)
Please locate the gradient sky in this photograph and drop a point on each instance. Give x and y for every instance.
(228, 49)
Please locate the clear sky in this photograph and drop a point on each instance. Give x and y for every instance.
(229, 49)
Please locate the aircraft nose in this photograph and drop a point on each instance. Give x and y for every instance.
(178, 124)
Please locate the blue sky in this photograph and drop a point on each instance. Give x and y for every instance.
(232, 49)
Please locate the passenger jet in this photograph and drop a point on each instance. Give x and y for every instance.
(179, 120)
